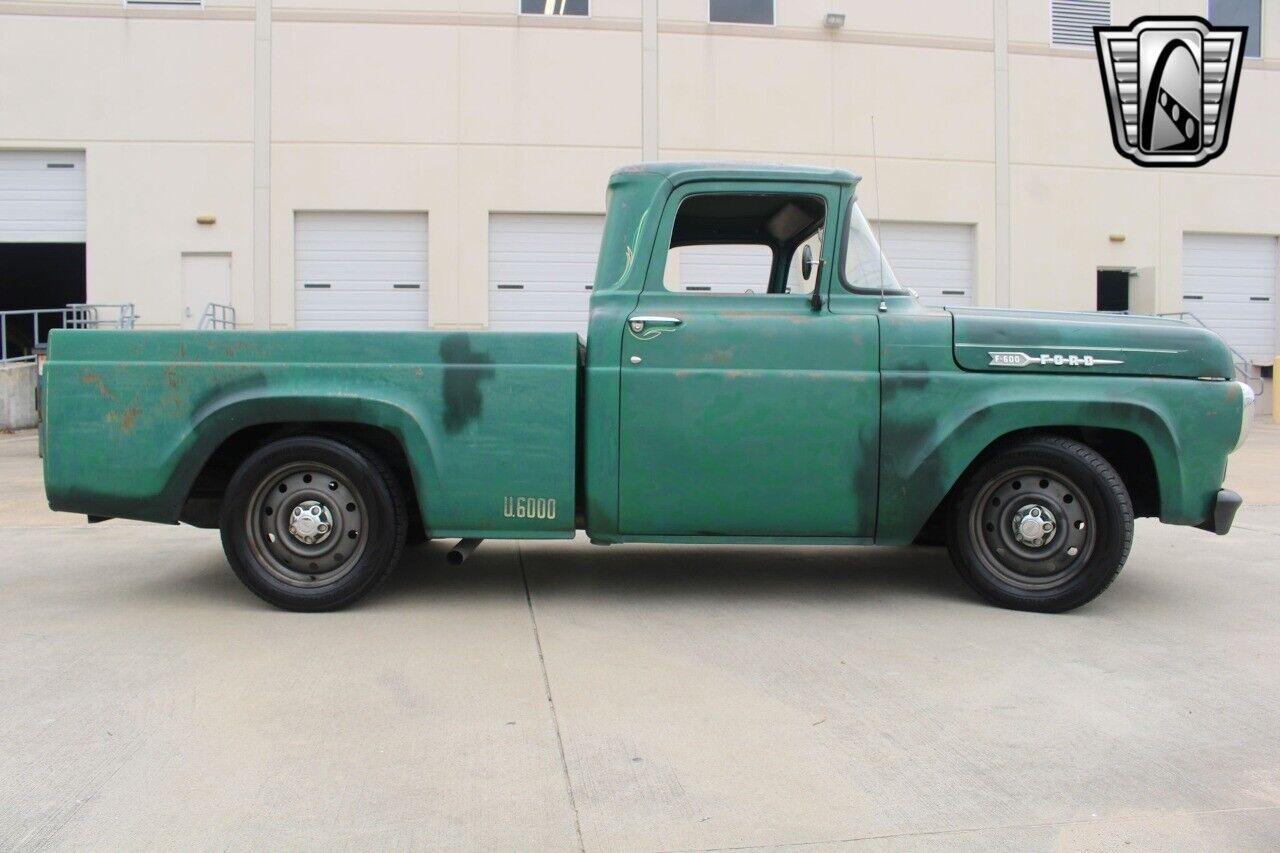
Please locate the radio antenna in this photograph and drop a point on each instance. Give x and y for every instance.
(875, 176)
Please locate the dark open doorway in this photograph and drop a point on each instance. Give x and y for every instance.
(1113, 290)
(38, 275)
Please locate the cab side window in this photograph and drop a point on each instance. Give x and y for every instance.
(744, 243)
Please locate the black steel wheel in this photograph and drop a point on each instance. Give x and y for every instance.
(1045, 524)
(312, 523)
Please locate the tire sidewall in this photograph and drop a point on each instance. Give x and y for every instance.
(384, 527)
(1113, 524)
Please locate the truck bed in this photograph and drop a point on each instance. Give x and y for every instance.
(484, 419)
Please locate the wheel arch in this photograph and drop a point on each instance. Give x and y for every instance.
(222, 438)
(1124, 450)
(925, 473)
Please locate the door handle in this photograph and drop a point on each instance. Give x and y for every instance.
(639, 324)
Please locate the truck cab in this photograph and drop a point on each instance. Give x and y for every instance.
(776, 384)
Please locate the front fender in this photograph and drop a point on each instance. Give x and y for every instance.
(935, 425)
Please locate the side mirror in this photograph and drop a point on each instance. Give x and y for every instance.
(807, 268)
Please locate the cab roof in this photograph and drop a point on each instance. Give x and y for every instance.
(683, 172)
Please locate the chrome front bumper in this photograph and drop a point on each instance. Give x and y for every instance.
(1246, 414)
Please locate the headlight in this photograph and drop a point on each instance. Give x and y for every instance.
(1246, 413)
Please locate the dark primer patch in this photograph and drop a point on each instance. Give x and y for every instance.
(464, 370)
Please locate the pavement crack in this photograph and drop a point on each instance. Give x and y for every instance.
(551, 702)
(1255, 529)
(961, 830)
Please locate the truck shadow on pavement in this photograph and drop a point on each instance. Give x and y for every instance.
(867, 577)
(657, 572)
(653, 573)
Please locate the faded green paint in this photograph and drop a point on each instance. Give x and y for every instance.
(758, 420)
(1120, 344)
(937, 417)
(724, 412)
(132, 416)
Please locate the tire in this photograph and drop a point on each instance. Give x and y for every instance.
(1044, 525)
(312, 523)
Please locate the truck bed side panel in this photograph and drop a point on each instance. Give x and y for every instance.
(485, 419)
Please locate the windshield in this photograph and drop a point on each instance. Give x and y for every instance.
(865, 268)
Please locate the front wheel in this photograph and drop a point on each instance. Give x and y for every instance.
(312, 523)
(1044, 525)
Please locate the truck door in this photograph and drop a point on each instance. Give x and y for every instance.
(745, 411)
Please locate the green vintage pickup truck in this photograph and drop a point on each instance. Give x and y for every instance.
(827, 406)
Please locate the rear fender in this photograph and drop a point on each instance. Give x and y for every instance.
(218, 421)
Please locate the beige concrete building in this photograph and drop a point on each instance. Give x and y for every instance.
(442, 163)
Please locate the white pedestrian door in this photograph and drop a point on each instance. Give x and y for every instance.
(42, 197)
(541, 269)
(360, 270)
(206, 280)
(1229, 284)
(934, 259)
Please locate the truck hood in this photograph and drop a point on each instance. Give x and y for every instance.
(1064, 342)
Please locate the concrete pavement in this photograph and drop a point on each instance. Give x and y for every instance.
(559, 696)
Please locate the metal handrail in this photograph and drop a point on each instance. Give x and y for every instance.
(77, 315)
(88, 315)
(217, 316)
(1239, 361)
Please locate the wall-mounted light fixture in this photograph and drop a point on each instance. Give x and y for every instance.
(206, 219)
(833, 20)
(1116, 238)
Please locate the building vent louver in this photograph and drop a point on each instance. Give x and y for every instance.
(1074, 20)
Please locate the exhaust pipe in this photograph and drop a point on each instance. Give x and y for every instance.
(459, 553)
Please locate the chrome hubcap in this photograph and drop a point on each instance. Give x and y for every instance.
(310, 522)
(1034, 525)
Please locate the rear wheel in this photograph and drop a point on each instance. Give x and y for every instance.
(312, 523)
(1044, 525)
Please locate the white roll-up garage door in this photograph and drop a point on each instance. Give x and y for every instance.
(722, 268)
(42, 197)
(541, 268)
(1229, 282)
(935, 259)
(360, 270)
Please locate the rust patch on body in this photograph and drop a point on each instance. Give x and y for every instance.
(92, 378)
(125, 419)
